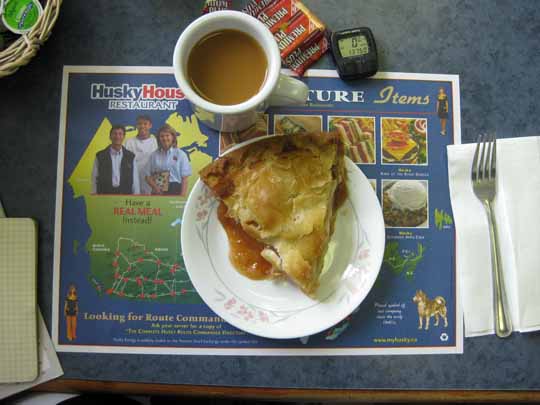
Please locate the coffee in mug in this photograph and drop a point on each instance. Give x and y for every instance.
(227, 67)
(227, 64)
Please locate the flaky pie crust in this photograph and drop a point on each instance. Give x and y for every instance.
(282, 191)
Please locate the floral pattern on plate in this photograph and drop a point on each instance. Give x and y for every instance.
(350, 274)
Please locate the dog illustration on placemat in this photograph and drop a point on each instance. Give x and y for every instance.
(428, 308)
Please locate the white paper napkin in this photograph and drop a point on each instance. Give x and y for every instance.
(517, 211)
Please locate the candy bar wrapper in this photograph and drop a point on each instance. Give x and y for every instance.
(216, 5)
(296, 30)
(278, 13)
(254, 7)
(307, 53)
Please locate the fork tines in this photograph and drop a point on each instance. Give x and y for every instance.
(485, 168)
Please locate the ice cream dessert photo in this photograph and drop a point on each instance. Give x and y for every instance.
(405, 203)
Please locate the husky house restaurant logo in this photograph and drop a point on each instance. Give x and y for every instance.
(145, 97)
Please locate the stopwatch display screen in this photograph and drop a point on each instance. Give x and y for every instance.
(353, 46)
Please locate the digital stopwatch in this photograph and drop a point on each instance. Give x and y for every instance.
(355, 53)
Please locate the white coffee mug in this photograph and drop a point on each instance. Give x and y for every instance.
(277, 88)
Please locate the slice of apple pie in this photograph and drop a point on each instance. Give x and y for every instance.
(279, 198)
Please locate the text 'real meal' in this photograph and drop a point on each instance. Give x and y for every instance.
(278, 202)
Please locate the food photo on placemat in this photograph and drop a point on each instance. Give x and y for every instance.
(404, 141)
(405, 203)
(358, 136)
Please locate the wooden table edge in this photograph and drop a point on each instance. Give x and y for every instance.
(287, 394)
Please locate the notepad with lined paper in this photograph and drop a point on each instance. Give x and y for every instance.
(18, 309)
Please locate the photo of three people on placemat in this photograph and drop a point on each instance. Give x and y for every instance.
(145, 165)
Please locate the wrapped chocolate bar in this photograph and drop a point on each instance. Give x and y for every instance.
(291, 35)
(300, 35)
(254, 7)
(216, 5)
(278, 13)
(307, 53)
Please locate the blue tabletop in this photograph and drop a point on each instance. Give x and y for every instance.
(492, 46)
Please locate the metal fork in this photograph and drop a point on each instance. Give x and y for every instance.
(483, 176)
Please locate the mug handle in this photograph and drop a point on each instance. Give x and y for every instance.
(289, 91)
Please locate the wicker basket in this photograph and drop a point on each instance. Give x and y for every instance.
(23, 49)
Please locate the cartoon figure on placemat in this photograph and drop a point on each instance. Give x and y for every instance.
(442, 109)
(71, 310)
(428, 308)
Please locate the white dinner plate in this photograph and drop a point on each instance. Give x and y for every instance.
(278, 309)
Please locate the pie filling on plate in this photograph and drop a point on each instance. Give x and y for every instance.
(279, 198)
